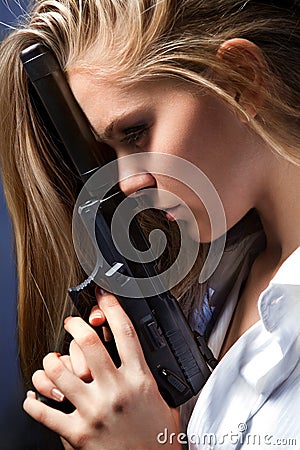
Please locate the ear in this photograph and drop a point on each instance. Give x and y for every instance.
(245, 60)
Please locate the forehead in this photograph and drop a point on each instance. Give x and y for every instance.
(102, 100)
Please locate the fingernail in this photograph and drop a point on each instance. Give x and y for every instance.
(57, 395)
(97, 317)
(101, 291)
(98, 314)
(30, 394)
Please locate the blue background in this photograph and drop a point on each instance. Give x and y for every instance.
(17, 430)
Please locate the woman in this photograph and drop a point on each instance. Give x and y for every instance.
(214, 82)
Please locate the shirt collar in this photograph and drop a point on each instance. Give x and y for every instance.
(279, 304)
(278, 351)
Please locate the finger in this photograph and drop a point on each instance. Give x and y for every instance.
(78, 362)
(46, 387)
(67, 362)
(66, 444)
(96, 355)
(127, 341)
(66, 381)
(96, 318)
(107, 334)
(56, 420)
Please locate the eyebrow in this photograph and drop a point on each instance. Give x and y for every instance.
(109, 130)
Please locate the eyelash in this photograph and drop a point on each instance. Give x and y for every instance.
(134, 134)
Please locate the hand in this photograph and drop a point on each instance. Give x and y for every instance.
(115, 408)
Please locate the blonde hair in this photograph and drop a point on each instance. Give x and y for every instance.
(131, 41)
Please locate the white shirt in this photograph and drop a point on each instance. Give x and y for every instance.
(252, 399)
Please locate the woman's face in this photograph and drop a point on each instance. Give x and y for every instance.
(172, 118)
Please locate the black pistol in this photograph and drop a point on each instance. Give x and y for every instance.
(178, 359)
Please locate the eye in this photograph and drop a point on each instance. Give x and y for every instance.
(135, 134)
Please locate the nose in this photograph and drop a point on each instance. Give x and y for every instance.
(137, 182)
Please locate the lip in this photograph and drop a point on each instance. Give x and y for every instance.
(140, 192)
(171, 213)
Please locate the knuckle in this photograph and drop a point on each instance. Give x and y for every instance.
(39, 378)
(41, 416)
(88, 338)
(47, 359)
(144, 384)
(96, 417)
(148, 386)
(97, 422)
(74, 321)
(109, 301)
(127, 329)
(79, 438)
(66, 360)
(53, 367)
(119, 402)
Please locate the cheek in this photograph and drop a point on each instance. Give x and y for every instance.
(176, 137)
(194, 139)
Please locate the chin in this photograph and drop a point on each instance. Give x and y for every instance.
(203, 234)
(199, 235)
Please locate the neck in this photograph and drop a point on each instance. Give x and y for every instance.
(279, 210)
